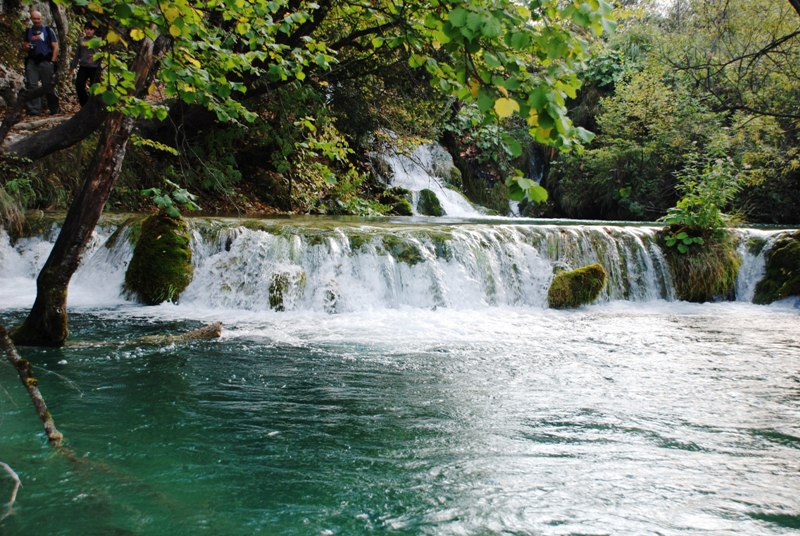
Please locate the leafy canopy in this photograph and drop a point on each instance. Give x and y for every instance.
(505, 57)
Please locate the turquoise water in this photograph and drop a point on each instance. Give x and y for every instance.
(656, 418)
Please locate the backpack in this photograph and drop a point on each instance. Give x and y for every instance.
(40, 46)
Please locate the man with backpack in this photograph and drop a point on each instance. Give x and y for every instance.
(41, 44)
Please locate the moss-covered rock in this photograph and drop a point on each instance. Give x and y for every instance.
(428, 204)
(161, 267)
(397, 199)
(577, 287)
(403, 249)
(782, 277)
(706, 272)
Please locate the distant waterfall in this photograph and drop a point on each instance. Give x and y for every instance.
(326, 265)
(427, 168)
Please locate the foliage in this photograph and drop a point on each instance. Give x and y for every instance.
(504, 58)
(744, 55)
(647, 128)
(696, 78)
(708, 183)
(168, 201)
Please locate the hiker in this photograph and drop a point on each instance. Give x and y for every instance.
(88, 67)
(41, 44)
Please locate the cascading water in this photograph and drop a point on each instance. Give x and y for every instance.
(354, 267)
(426, 168)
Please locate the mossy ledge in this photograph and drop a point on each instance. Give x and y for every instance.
(577, 287)
(782, 277)
(161, 267)
(705, 273)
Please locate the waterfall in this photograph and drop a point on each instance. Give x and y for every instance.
(427, 167)
(322, 265)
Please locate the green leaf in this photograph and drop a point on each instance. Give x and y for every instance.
(491, 28)
(520, 41)
(537, 194)
(513, 146)
(110, 98)
(458, 17)
(416, 60)
(485, 100)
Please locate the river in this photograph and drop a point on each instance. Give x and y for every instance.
(430, 392)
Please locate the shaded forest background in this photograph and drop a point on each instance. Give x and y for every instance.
(681, 93)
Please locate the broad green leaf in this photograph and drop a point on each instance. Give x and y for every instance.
(458, 17)
(512, 145)
(416, 60)
(485, 100)
(491, 28)
(536, 193)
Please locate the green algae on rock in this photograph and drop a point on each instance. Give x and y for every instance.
(161, 267)
(577, 287)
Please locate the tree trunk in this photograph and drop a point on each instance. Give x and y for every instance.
(66, 134)
(62, 29)
(46, 324)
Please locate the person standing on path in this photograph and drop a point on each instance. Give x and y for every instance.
(88, 67)
(41, 44)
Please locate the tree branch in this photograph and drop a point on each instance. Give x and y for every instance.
(25, 371)
(795, 5)
(17, 484)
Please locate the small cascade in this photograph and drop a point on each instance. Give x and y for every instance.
(98, 280)
(428, 167)
(334, 267)
(454, 266)
(753, 245)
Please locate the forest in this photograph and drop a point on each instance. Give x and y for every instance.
(627, 113)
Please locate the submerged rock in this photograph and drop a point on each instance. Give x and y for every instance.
(429, 204)
(577, 287)
(782, 277)
(161, 267)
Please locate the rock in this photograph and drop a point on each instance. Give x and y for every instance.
(161, 267)
(782, 277)
(577, 287)
(428, 204)
(11, 82)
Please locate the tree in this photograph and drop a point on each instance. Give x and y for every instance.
(175, 58)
